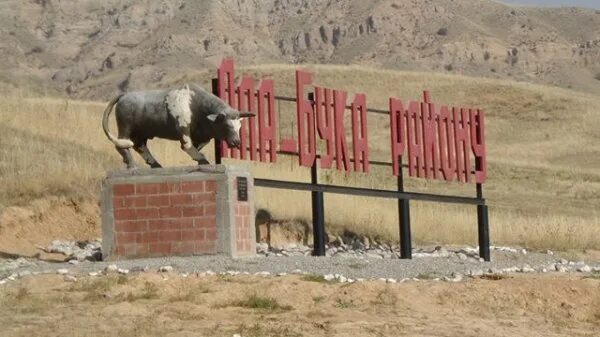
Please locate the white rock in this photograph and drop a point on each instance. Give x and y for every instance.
(360, 280)
(93, 273)
(585, 269)
(381, 279)
(296, 271)
(404, 280)
(2, 282)
(329, 277)
(282, 274)
(62, 271)
(596, 269)
(123, 271)
(263, 273)
(351, 280)
(12, 277)
(245, 273)
(184, 275)
(549, 252)
(561, 269)
(75, 262)
(165, 269)
(342, 279)
(210, 273)
(232, 272)
(70, 278)
(454, 278)
(111, 268)
(524, 251)
(544, 270)
(462, 256)
(236, 335)
(391, 280)
(527, 269)
(475, 272)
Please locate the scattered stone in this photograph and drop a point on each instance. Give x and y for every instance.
(165, 269)
(524, 251)
(232, 272)
(111, 268)
(2, 282)
(184, 275)
(342, 279)
(455, 277)
(561, 269)
(549, 252)
(527, 269)
(62, 271)
(391, 280)
(70, 278)
(93, 273)
(494, 271)
(585, 269)
(329, 277)
(123, 271)
(462, 256)
(74, 262)
(24, 273)
(360, 280)
(475, 272)
(282, 274)
(381, 279)
(296, 271)
(263, 273)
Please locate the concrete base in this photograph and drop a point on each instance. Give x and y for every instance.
(177, 211)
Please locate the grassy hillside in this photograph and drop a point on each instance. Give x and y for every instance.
(543, 180)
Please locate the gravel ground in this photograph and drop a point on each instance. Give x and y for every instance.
(451, 264)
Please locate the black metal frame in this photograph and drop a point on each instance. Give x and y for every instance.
(403, 197)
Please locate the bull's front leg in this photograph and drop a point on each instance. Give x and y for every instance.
(188, 147)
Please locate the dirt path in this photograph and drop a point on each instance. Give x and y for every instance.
(154, 304)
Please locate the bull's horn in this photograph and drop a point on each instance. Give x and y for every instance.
(247, 114)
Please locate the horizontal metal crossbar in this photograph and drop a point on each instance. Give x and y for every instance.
(367, 192)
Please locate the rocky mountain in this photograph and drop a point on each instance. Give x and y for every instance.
(92, 49)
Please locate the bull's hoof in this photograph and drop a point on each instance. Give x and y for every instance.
(155, 165)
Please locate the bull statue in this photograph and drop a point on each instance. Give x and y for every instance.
(190, 114)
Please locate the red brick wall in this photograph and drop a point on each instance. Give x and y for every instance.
(160, 219)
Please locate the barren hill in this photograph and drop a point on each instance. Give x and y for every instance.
(92, 48)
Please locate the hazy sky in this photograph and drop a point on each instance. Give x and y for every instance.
(558, 3)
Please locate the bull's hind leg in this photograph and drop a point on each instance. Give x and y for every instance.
(127, 159)
(142, 148)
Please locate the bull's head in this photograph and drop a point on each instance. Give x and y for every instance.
(227, 124)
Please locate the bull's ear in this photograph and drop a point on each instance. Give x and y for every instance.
(247, 114)
(216, 117)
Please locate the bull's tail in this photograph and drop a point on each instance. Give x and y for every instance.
(120, 143)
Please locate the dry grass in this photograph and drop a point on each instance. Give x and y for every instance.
(543, 186)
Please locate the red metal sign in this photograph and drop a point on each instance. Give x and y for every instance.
(439, 141)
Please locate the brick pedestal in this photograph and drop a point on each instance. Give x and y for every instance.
(177, 211)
